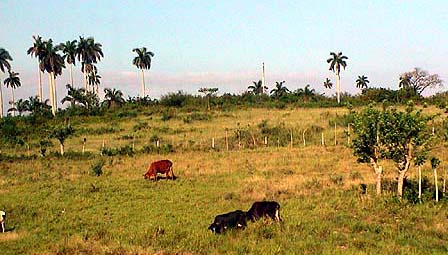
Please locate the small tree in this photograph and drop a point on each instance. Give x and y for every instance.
(62, 133)
(367, 146)
(208, 93)
(407, 136)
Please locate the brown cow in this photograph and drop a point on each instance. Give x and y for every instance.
(163, 167)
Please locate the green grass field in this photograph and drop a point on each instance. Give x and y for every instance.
(55, 205)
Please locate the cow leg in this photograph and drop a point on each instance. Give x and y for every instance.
(172, 173)
(3, 227)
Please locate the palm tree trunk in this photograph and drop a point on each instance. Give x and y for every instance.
(39, 85)
(143, 83)
(50, 85)
(338, 87)
(1, 100)
(13, 102)
(55, 98)
(71, 75)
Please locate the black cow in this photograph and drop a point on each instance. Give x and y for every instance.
(270, 209)
(235, 219)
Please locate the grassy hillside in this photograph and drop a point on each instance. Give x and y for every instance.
(56, 205)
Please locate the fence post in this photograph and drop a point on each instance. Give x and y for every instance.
(213, 143)
(335, 134)
(303, 137)
(83, 145)
(322, 139)
(227, 141)
(348, 134)
(291, 140)
(266, 141)
(158, 143)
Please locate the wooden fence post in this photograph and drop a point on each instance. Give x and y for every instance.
(84, 145)
(335, 135)
(266, 141)
(227, 141)
(322, 139)
(303, 137)
(292, 142)
(213, 143)
(158, 143)
(348, 134)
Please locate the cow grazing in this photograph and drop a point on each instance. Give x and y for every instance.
(2, 220)
(270, 209)
(163, 167)
(235, 219)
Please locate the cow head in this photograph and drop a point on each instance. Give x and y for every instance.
(215, 228)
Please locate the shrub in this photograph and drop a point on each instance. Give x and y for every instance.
(97, 168)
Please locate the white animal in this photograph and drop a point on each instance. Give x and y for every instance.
(2, 220)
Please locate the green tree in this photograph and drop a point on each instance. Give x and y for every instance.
(21, 106)
(208, 93)
(69, 49)
(142, 61)
(4, 65)
(306, 93)
(337, 61)
(361, 82)
(52, 63)
(367, 146)
(112, 98)
(94, 80)
(89, 53)
(257, 88)
(37, 51)
(13, 82)
(61, 134)
(279, 90)
(407, 137)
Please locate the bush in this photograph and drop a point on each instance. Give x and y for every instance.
(97, 168)
(174, 99)
(163, 149)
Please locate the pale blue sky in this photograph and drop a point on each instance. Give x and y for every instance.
(223, 43)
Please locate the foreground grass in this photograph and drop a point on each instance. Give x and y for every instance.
(59, 207)
(56, 206)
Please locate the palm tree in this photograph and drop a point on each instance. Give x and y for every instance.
(279, 89)
(52, 63)
(112, 98)
(4, 65)
(361, 82)
(13, 82)
(328, 84)
(142, 61)
(89, 52)
(306, 93)
(21, 106)
(69, 50)
(257, 87)
(337, 61)
(94, 80)
(37, 50)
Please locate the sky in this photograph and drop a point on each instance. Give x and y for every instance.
(223, 43)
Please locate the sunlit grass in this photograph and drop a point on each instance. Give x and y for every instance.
(55, 205)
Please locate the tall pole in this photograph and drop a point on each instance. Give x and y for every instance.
(263, 79)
